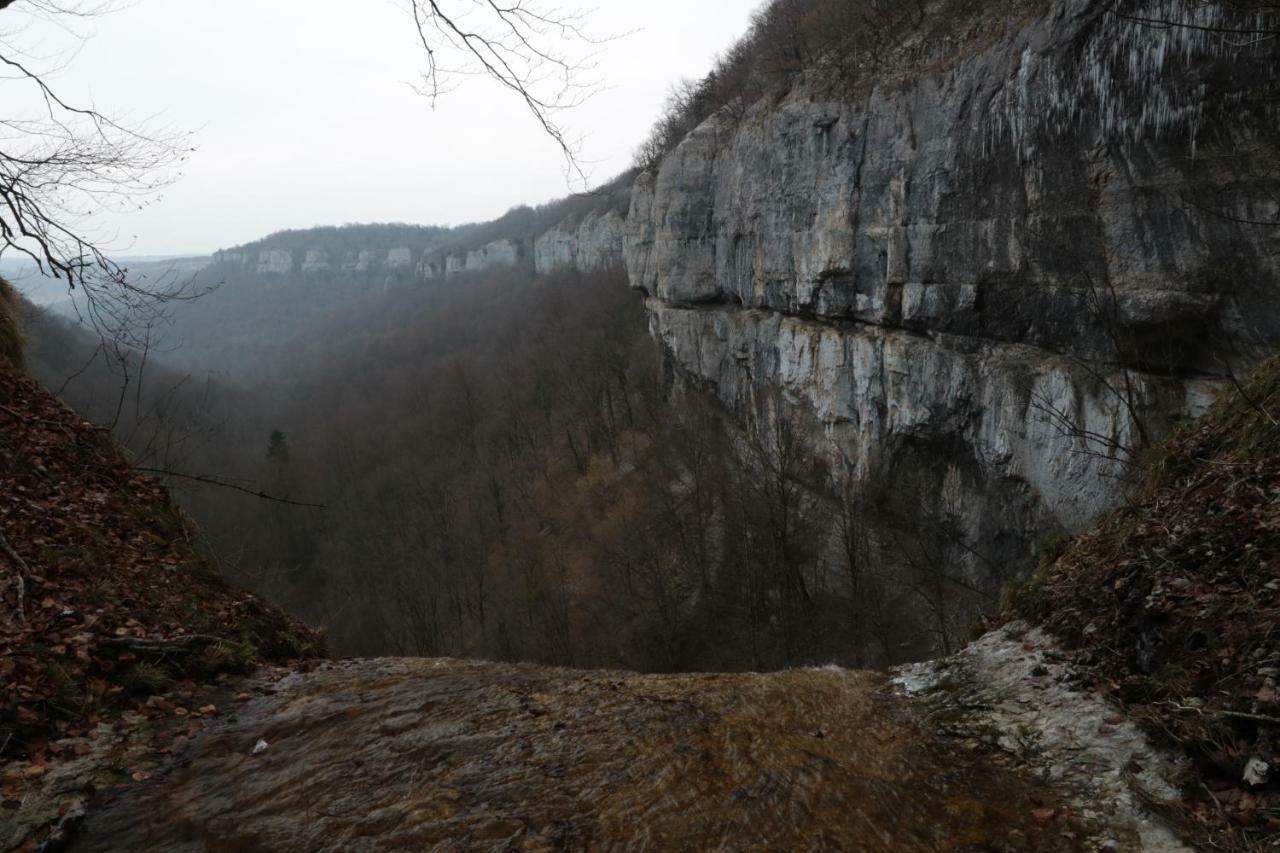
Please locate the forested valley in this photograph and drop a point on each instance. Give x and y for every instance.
(501, 466)
(505, 464)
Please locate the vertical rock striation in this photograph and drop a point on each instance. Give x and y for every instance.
(984, 273)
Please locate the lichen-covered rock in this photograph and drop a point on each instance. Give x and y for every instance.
(1012, 690)
(970, 416)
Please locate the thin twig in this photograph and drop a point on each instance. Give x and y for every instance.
(214, 481)
(24, 572)
(144, 644)
(1238, 715)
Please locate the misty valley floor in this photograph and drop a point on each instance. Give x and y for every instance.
(387, 754)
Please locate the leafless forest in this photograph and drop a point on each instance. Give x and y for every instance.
(506, 470)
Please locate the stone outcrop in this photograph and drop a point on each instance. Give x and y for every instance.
(230, 258)
(595, 244)
(399, 259)
(1014, 250)
(275, 262)
(361, 261)
(1012, 690)
(980, 279)
(397, 754)
(431, 267)
(316, 261)
(497, 254)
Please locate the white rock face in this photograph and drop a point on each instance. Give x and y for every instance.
(597, 243)
(430, 267)
(455, 264)
(500, 253)
(361, 261)
(971, 413)
(275, 262)
(495, 255)
(1011, 690)
(316, 261)
(936, 272)
(237, 259)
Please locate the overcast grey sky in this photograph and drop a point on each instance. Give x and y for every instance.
(303, 114)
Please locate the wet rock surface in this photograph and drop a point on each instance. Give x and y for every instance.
(1012, 692)
(431, 754)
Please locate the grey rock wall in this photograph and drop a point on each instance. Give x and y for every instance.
(944, 269)
(280, 262)
(275, 262)
(594, 244)
(498, 254)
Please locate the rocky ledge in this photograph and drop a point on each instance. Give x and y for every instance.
(440, 754)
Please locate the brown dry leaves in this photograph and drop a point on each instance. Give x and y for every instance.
(105, 560)
(1173, 603)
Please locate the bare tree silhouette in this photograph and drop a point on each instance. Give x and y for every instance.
(63, 163)
(544, 56)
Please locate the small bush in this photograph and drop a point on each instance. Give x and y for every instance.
(1027, 598)
(1052, 547)
(147, 679)
(227, 656)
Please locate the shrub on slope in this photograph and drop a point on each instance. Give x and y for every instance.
(102, 598)
(1173, 602)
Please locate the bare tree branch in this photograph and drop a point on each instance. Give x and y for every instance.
(223, 484)
(1259, 19)
(64, 163)
(514, 44)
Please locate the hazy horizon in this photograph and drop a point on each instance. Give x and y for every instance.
(303, 114)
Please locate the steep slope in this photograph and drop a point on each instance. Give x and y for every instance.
(108, 616)
(1172, 602)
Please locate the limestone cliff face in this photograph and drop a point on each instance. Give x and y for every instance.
(497, 254)
(1008, 233)
(596, 243)
(282, 262)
